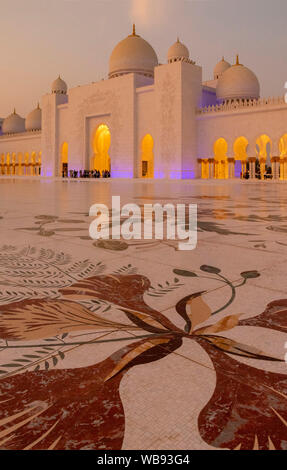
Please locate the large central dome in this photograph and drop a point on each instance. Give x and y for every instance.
(133, 55)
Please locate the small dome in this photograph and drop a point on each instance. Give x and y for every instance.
(177, 51)
(220, 68)
(59, 86)
(133, 55)
(34, 120)
(13, 124)
(237, 82)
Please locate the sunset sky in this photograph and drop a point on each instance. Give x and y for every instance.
(41, 39)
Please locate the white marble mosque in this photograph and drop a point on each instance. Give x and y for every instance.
(151, 120)
(132, 344)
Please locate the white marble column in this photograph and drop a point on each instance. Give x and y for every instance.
(275, 162)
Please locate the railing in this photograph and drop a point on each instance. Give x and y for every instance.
(243, 104)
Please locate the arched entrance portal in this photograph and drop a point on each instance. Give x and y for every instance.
(64, 160)
(147, 157)
(101, 144)
(220, 159)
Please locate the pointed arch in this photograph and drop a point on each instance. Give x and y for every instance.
(263, 147)
(264, 152)
(240, 148)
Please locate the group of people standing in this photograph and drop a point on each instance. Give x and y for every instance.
(89, 174)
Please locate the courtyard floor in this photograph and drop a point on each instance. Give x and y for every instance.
(133, 344)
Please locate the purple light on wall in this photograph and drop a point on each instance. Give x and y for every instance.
(158, 174)
(188, 174)
(48, 172)
(208, 98)
(122, 174)
(175, 175)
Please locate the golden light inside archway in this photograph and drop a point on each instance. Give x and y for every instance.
(220, 148)
(263, 147)
(239, 148)
(64, 169)
(283, 146)
(101, 143)
(147, 157)
(64, 153)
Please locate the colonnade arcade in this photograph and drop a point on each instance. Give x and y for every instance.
(21, 163)
(263, 164)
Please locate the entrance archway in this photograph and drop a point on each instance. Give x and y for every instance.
(101, 143)
(64, 159)
(147, 157)
(220, 158)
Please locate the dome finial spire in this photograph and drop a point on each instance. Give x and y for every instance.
(237, 59)
(134, 34)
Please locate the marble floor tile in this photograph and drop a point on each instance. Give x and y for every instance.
(134, 344)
